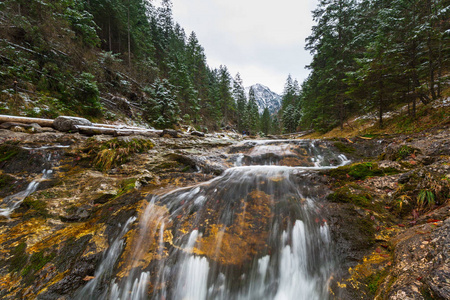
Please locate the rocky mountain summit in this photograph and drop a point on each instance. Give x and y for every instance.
(265, 98)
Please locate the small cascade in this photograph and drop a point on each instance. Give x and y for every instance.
(293, 153)
(50, 157)
(255, 232)
(10, 203)
(104, 272)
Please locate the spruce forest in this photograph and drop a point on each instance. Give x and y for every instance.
(115, 59)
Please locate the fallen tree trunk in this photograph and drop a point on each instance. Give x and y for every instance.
(26, 120)
(94, 130)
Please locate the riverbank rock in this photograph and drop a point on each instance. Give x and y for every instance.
(66, 124)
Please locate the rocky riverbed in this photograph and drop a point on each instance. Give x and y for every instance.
(388, 211)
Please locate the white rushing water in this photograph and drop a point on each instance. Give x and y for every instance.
(294, 261)
(12, 202)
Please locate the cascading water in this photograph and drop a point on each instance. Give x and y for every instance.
(255, 232)
(50, 155)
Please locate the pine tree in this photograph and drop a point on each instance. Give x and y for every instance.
(251, 113)
(162, 108)
(228, 105)
(239, 97)
(265, 122)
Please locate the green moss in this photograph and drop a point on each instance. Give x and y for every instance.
(367, 229)
(18, 258)
(126, 186)
(37, 261)
(5, 181)
(8, 151)
(373, 281)
(345, 195)
(360, 171)
(39, 206)
(344, 148)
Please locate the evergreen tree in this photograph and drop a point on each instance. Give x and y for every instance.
(265, 122)
(251, 113)
(162, 108)
(239, 97)
(227, 102)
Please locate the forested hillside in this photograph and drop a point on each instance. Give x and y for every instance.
(371, 55)
(116, 60)
(108, 59)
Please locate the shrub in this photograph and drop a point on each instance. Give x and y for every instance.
(87, 93)
(115, 152)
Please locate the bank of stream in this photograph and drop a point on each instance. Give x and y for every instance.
(215, 218)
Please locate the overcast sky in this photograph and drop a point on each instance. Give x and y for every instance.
(262, 40)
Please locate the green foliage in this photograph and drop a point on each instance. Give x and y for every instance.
(404, 152)
(265, 122)
(76, 51)
(87, 93)
(251, 114)
(82, 22)
(426, 198)
(372, 56)
(162, 108)
(112, 153)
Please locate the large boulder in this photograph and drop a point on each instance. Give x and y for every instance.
(65, 123)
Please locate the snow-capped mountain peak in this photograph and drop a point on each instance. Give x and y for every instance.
(265, 98)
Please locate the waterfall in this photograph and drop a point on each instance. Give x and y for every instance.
(50, 156)
(255, 232)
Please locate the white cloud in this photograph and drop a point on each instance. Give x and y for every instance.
(263, 40)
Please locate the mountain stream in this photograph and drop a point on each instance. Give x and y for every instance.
(255, 232)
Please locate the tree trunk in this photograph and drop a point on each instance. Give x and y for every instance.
(25, 120)
(129, 37)
(109, 33)
(380, 102)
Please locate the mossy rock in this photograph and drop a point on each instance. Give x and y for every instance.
(399, 153)
(345, 195)
(19, 258)
(14, 159)
(8, 151)
(36, 206)
(344, 148)
(360, 171)
(6, 183)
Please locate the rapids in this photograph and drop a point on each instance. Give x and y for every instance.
(255, 232)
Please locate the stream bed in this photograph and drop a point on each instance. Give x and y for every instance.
(255, 232)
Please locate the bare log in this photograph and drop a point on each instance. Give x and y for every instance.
(25, 120)
(94, 130)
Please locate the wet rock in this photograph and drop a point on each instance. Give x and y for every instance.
(18, 160)
(80, 214)
(205, 164)
(421, 262)
(171, 133)
(198, 133)
(8, 125)
(405, 177)
(18, 129)
(65, 124)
